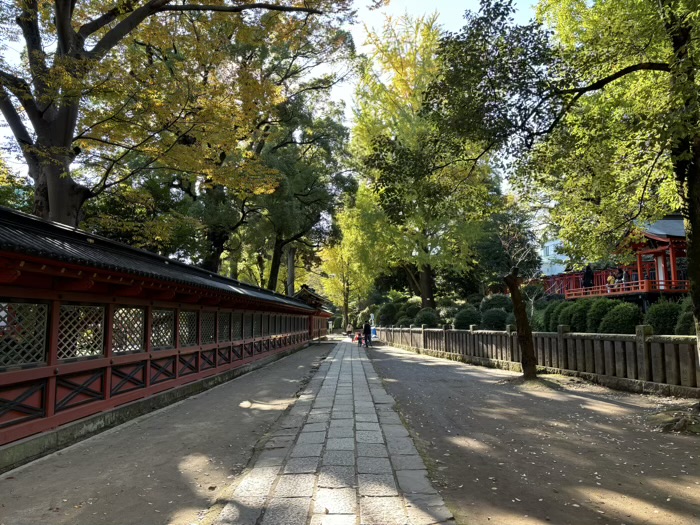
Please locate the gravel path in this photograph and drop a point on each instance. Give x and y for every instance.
(568, 453)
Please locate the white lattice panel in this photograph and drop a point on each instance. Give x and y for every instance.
(224, 327)
(163, 330)
(22, 333)
(128, 330)
(188, 328)
(208, 328)
(81, 331)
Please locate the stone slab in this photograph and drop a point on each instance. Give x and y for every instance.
(372, 450)
(307, 450)
(340, 444)
(301, 465)
(311, 438)
(339, 457)
(287, 511)
(335, 501)
(296, 486)
(367, 465)
(414, 481)
(384, 511)
(377, 485)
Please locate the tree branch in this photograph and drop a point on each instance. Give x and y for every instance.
(19, 130)
(601, 83)
(127, 25)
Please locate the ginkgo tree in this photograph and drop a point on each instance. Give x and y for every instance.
(429, 186)
(105, 91)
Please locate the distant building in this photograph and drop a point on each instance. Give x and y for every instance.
(553, 263)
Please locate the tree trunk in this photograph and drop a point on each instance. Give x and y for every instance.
(275, 264)
(346, 304)
(427, 293)
(528, 358)
(217, 240)
(291, 258)
(413, 283)
(57, 197)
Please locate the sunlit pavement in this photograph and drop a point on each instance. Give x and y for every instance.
(340, 454)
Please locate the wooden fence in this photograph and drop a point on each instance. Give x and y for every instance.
(639, 362)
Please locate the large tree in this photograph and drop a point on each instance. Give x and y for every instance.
(429, 185)
(624, 65)
(98, 87)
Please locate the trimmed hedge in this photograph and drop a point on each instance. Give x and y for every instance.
(598, 310)
(388, 314)
(579, 315)
(427, 317)
(547, 314)
(467, 316)
(622, 319)
(405, 322)
(497, 300)
(685, 324)
(510, 319)
(475, 299)
(566, 313)
(663, 317)
(537, 321)
(554, 316)
(494, 319)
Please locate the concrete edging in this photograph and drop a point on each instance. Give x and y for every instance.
(636, 386)
(30, 448)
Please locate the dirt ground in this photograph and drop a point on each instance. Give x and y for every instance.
(167, 467)
(562, 452)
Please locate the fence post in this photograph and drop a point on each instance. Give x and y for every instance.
(410, 336)
(510, 346)
(422, 336)
(561, 347)
(472, 339)
(643, 351)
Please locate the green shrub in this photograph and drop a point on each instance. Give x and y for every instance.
(685, 324)
(554, 316)
(663, 317)
(415, 300)
(537, 321)
(475, 299)
(411, 309)
(427, 317)
(494, 319)
(621, 320)
(579, 315)
(599, 308)
(404, 321)
(338, 323)
(510, 318)
(387, 314)
(467, 316)
(448, 313)
(445, 301)
(566, 313)
(497, 300)
(547, 314)
(687, 304)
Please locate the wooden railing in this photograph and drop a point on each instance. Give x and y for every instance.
(632, 287)
(639, 362)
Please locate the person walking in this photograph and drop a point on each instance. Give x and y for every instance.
(588, 277)
(367, 331)
(349, 330)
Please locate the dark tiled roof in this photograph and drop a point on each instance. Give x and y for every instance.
(26, 234)
(671, 226)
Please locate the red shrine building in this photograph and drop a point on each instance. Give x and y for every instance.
(660, 268)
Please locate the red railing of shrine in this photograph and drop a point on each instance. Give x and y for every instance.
(632, 287)
(65, 357)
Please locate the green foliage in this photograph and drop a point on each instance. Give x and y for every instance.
(363, 317)
(537, 322)
(388, 314)
(404, 321)
(510, 319)
(547, 315)
(411, 309)
(554, 315)
(501, 301)
(579, 315)
(687, 304)
(663, 317)
(475, 299)
(467, 316)
(622, 319)
(338, 323)
(396, 296)
(565, 314)
(414, 301)
(494, 319)
(597, 312)
(448, 313)
(685, 324)
(427, 317)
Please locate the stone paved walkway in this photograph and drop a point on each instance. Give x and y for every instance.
(340, 457)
